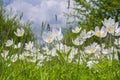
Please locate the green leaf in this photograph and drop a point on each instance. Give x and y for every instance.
(61, 57)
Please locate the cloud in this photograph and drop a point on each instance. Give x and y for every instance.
(39, 11)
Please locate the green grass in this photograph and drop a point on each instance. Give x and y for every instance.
(21, 70)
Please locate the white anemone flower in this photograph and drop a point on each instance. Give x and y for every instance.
(29, 45)
(9, 43)
(106, 51)
(60, 37)
(90, 64)
(14, 58)
(48, 37)
(22, 56)
(17, 46)
(76, 30)
(35, 50)
(86, 35)
(100, 33)
(25, 54)
(33, 58)
(52, 52)
(40, 56)
(110, 25)
(20, 32)
(62, 47)
(78, 41)
(73, 52)
(117, 32)
(117, 42)
(57, 33)
(92, 48)
(45, 48)
(5, 54)
(82, 37)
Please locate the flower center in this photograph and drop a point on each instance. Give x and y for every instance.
(92, 50)
(21, 33)
(98, 33)
(111, 29)
(76, 30)
(49, 40)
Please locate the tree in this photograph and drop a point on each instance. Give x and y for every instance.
(90, 13)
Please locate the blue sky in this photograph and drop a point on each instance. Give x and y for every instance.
(39, 10)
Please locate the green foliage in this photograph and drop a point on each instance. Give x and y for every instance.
(27, 71)
(105, 9)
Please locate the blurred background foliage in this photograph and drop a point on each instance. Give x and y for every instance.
(90, 13)
(98, 10)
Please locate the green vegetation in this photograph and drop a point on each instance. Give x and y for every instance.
(86, 52)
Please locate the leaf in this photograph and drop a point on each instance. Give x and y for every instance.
(61, 56)
(43, 28)
(69, 53)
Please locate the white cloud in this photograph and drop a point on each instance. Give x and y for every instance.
(38, 11)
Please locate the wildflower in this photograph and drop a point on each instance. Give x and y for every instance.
(117, 42)
(110, 25)
(29, 45)
(90, 64)
(40, 56)
(72, 54)
(117, 32)
(86, 35)
(52, 52)
(60, 37)
(22, 56)
(79, 41)
(9, 43)
(76, 30)
(45, 48)
(35, 50)
(111, 56)
(57, 34)
(63, 48)
(20, 32)
(82, 37)
(48, 37)
(5, 54)
(26, 54)
(17, 46)
(89, 34)
(92, 48)
(106, 51)
(14, 58)
(100, 33)
(33, 59)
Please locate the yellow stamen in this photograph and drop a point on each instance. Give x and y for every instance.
(49, 40)
(21, 33)
(111, 29)
(92, 50)
(76, 30)
(99, 33)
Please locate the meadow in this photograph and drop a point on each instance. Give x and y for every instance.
(91, 55)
